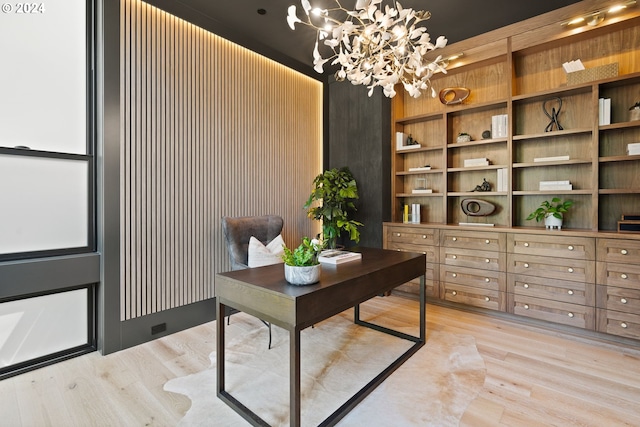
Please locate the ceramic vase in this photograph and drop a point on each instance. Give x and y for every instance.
(302, 275)
(552, 222)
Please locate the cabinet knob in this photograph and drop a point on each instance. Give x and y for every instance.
(487, 241)
(623, 300)
(526, 306)
(570, 248)
(486, 279)
(623, 325)
(455, 274)
(487, 260)
(624, 276)
(397, 234)
(624, 252)
(455, 239)
(570, 270)
(570, 314)
(487, 299)
(454, 293)
(424, 252)
(526, 265)
(570, 292)
(424, 236)
(526, 245)
(526, 286)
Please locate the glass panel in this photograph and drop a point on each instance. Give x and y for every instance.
(44, 99)
(40, 326)
(44, 204)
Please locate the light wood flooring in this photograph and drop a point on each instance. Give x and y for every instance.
(534, 377)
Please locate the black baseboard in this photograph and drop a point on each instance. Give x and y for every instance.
(148, 328)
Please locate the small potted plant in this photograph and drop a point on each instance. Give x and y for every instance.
(634, 112)
(301, 266)
(551, 212)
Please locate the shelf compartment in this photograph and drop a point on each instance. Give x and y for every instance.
(623, 93)
(496, 153)
(528, 179)
(613, 141)
(578, 217)
(612, 206)
(407, 173)
(578, 146)
(619, 175)
(455, 215)
(474, 121)
(463, 181)
(553, 163)
(431, 208)
(552, 134)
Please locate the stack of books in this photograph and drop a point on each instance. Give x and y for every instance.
(499, 126)
(555, 185)
(421, 168)
(468, 163)
(629, 224)
(502, 183)
(633, 149)
(334, 256)
(550, 159)
(604, 111)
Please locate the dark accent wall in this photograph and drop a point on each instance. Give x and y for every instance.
(359, 137)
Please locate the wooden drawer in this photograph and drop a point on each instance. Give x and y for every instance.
(618, 299)
(553, 311)
(432, 252)
(485, 298)
(618, 250)
(622, 275)
(432, 286)
(484, 260)
(413, 235)
(487, 241)
(552, 246)
(619, 323)
(553, 289)
(554, 268)
(484, 279)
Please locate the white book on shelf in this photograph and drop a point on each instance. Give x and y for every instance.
(550, 159)
(505, 180)
(633, 149)
(479, 224)
(499, 172)
(606, 116)
(552, 187)
(331, 256)
(399, 140)
(566, 181)
(421, 168)
(409, 147)
(422, 191)
(476, 162)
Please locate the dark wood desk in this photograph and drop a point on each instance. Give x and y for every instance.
(264, 293)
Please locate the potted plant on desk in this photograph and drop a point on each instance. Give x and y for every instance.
(551, 212)
(301, 266)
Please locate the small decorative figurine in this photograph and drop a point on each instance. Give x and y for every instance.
(411, 141)
(485, 186)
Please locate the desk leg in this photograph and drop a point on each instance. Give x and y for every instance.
(220, 309)
(423, 299)
(294, 377)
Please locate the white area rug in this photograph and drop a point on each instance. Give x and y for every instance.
(433, 388)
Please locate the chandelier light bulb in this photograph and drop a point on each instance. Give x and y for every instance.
(374, 47)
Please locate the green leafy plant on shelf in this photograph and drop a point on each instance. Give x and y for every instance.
(335, 190)
(556, 208)
(304, 255)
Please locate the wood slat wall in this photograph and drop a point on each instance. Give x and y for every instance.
(210, 129)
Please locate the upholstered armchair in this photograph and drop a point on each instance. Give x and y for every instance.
(238, 232)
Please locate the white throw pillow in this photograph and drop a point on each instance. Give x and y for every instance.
(260, 254)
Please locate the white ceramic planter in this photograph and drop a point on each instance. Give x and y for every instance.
(302, 275)
(552, 222)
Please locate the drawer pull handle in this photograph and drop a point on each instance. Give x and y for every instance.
(570, 248)
(623, 300)
(454, 293)
(570, 270)
(424, 236)
(526, 265)
(570, 292)
(624, 252)
(526, 245)
(624, 276)
(455, 274)
(487, 260)
(486, 279)
(526, 306)
(455, 257)
(487, 299)
(526, 286)
(487, 241)
(624, 325)
(570, 314)
(455, 239)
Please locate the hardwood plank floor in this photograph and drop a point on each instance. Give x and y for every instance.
(535, 377)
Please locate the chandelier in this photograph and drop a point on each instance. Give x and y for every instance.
(372, 47)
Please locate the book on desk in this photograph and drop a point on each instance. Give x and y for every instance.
(335, 256)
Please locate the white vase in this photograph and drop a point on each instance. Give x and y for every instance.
(552, 222)
(302, 275)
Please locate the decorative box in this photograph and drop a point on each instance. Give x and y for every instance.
(594, 73)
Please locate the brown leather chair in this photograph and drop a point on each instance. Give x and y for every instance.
(238, 231)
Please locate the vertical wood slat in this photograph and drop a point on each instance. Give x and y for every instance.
(210, 130)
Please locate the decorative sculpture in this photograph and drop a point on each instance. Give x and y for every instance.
(485, 186)
(553, 115)
(477, 207)
(454, 95)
